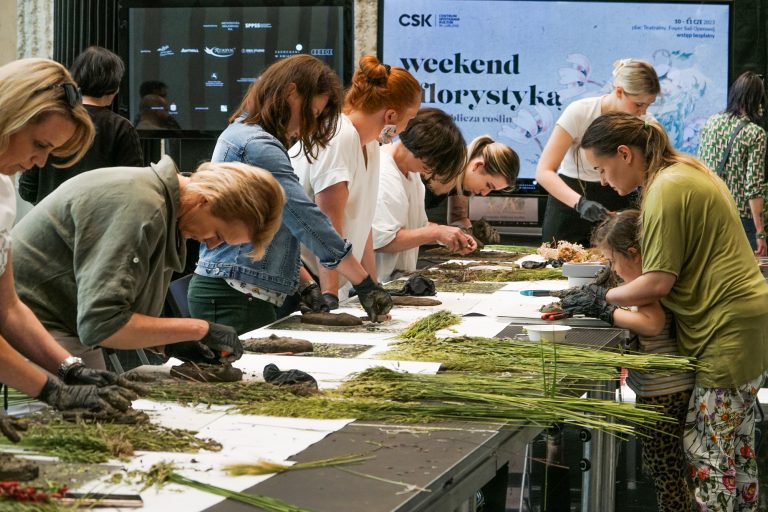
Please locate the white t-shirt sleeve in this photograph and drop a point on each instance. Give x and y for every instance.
(575, 120)
(392, 206)
(7, 218)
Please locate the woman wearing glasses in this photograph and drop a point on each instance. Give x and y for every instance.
(41, 114)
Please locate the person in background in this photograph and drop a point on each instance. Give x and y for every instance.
(490, 166)
(732, 144)
(690, 226)
(297, 98)
(41, 115)
(619, 239)
(577, 201)
(344, 178)
(98, 72)
(95, 258)
(430, 147)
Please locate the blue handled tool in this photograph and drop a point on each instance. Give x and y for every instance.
(536, 293)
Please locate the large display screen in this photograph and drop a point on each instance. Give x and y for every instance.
(189, 67)
(508, 68)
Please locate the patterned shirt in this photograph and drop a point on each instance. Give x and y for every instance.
(744, 169)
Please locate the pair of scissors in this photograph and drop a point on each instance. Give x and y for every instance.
(554, 315)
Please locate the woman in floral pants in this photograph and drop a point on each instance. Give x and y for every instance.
(698, 263)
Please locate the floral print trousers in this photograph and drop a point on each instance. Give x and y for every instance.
(719, 442)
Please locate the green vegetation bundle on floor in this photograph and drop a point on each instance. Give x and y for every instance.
(425, 328)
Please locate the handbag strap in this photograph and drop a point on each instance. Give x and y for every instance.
(724, 160)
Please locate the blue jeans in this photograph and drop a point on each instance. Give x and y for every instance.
(749, 229)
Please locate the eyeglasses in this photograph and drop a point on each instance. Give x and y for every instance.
(72, 93)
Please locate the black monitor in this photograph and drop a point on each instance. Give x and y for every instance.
(189, 62)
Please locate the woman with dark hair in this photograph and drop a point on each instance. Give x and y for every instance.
(344, 178)
(697, 262)
(431, 147)
(733, 145)
(98, 73)
(295, 99)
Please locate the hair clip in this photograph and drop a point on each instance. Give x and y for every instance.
(73, 94)
(388, 68)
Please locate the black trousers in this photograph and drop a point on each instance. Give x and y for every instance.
(563, 222)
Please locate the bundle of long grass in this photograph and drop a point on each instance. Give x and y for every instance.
(384, 395)
(425, 328)
(494, 355)
(266, 467)
(99, 442)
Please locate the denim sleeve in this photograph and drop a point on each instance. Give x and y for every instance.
(301, 216)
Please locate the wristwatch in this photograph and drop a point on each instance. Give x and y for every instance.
(67, 364)
(760, 236)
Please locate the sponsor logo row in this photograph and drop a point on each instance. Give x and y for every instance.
(223, 53)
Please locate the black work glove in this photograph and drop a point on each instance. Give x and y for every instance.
(591, 210)
(589, 300)
(64, 397)
(78, 374)
(192, 351)
(312, 299)
(273, 375)
(10, 427)
(331, 300)
(224, 342)
(417, 286)
(374, 298)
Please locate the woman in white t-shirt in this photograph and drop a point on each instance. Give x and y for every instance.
(41, 113)
(431, 147)
(344, 178)
(577, 201)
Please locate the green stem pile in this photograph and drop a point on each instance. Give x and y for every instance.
(425, 328)
(163, 473)
(99, 442)
(494, 355)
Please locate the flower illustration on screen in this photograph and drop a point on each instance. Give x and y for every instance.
(682, 87)
(577, 78)
(529, 126)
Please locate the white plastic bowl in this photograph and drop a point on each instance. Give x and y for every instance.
(547, 332)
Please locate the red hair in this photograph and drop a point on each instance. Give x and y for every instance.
(376, 86)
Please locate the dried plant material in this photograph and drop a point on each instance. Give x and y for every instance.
(266, 467)
(425, 328)
(13, 468)
(407, 300)
(202, 372)
(332, 319)
(277, 344)
(569, 252)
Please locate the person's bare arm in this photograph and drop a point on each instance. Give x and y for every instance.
(648, 320)
(546, 170)
(144, 331)
(22, 330)
(369, 259)
(756, 207)
(458, 211)
(649, 287)
(332, 202)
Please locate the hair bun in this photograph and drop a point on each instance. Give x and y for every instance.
(620, 64)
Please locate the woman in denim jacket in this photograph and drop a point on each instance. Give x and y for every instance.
(295, 99)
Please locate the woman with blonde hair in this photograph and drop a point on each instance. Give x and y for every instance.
(112, 267)
(577, 201)
(490, 166)
(344, 178)
(41, 114)
(698, 263)
(295, 99)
